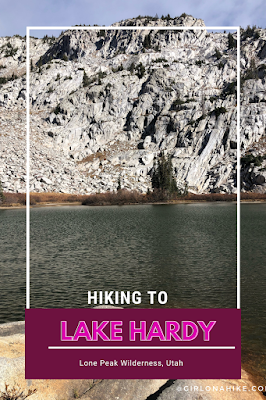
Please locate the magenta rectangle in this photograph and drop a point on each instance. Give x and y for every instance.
(133, 343)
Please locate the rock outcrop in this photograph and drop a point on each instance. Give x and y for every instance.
(12, 373)
(106, 103)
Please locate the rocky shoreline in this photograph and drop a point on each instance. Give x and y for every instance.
(12, 372)
(75, 204)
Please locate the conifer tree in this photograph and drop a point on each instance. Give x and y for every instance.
(147, 42)
(231, 41)
(162, 177)
(119, 183)
(1, 193)
(140, 70)
(85, 80)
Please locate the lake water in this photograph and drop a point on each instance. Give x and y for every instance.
(187, 250)
(253, 283)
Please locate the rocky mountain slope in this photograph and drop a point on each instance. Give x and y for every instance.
(106, 103)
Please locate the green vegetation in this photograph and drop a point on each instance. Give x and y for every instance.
(147, 17)
(200, 62)
(147, 41)
(57, 109)
(140, 70)
(119, 68)
(219, 110)
(218, 54)
(131, 68)
(162, 176)
(101, 33)
(1, 193)
(232, 43)
(119, 183)
(5, 79)
(250, 33)
(102, 75)
(159, 60)
(168, 18)
(229, 89)
(177, 103)
(250, 159)
(20, 37)
(10, 51)
(251, 73)
(48, 39)
(96, 78)
(120, 197)
(86, 80)
(203, 116)
(196, 122)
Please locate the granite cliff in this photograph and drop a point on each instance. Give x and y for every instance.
(106, 103)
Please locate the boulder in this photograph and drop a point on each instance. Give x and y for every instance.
(211, 389)
(12, 373)
(124, 389)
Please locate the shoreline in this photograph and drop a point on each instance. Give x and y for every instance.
(122, 197)
(171, 202)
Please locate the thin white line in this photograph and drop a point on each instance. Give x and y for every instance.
(141, 347)
(28, 176)
(130, 28)
(238, 170)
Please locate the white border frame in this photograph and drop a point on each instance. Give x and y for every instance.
(29, 28)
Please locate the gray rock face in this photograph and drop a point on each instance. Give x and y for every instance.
(12, 328)
(106, 103)
(124, 389)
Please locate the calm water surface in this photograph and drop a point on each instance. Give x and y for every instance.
(253, 283)
(12, 264)
(188, 250)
